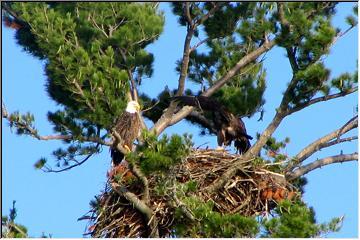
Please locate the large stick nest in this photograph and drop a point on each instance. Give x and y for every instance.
(252, 191)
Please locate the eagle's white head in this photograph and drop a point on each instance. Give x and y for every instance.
(133, 107)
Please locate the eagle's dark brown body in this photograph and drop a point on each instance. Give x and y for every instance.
(229, 127)
(128, 127)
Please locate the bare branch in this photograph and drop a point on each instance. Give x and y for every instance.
(119, 142)
(320, 163)
(187, 14)
(324, 142)
(339, 140)
(183, 207)
(321, 99)
(341, 34)
(140, 206)
(185, 62)
(198, 44)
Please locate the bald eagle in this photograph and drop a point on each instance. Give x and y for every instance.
(128, 127)
(228, 127)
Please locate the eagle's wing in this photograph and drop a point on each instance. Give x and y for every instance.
(207, 104)
(127, 126)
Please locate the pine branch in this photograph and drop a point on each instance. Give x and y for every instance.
(320, 163)
(341, 34)
(74, 165)
(324, 142)
(34, 133)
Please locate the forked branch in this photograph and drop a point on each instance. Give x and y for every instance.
(325, 141)
(320, 163)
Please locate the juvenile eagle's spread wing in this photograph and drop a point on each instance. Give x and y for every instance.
(229, 128)
(128, 127)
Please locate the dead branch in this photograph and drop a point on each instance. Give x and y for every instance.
(324, 142)
(320, 163)
(321, 99)
(140, 206)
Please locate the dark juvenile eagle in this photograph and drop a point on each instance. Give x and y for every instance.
(229, 127)
(128, 127)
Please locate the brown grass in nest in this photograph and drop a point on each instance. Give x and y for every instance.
(252, 191)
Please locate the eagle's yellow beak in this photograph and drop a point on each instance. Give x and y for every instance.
(137, 106)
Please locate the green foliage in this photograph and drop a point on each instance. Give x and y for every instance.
(210, 223)
(40, 163)
(224, 21)
(64, 157)
(91, 51)
(23, 123)
(296, 220)
(159, 155)
(308, 83)
(88, 57)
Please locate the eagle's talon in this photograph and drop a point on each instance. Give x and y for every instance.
(127, 148)
(219, 148)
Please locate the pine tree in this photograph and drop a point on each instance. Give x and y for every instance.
(96, 59)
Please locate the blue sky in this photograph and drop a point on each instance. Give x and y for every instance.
(51, 203)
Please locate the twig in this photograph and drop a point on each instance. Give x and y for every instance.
(319, 163)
